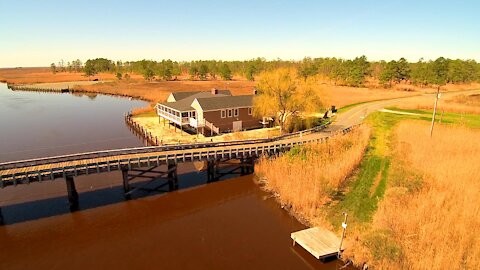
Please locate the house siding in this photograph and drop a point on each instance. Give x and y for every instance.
(226, 124)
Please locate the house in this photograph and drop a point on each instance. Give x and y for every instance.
(209, 112)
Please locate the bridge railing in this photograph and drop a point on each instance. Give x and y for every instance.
(149, 149)
(60, 170)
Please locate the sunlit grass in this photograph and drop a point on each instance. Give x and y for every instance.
(306, 177)
(430, 213)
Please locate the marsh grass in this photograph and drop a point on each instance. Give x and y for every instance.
(460, 104)
(429, 217)
(306, 177)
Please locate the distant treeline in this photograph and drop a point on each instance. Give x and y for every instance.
(340, 71)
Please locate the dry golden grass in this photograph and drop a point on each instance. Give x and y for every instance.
(252, 134)
(469, 104)
(155, 91)
(44, 75)
(467, 99)
(305, 177)
(445, 88)
(144, 110)
(341, 96)
(159, 90)
(430, 217)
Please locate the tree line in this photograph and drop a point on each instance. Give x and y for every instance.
(61, 66)
(349, 72)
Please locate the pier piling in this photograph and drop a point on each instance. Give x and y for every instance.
(1, 218)
(172, 176)
(243, 168)
(126, 185)
(72, 193)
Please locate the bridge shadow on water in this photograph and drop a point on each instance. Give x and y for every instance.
(92, 197)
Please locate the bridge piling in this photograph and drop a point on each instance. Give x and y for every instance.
(243, 168)
(212, 170)
(172, 176)
(251, 167)
(126, 185)
(72, 193)
(1, 218)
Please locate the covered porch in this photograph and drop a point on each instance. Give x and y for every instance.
(181, 118)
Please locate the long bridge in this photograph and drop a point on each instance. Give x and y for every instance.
(140, 162)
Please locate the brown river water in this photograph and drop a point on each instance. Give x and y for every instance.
(229, 224)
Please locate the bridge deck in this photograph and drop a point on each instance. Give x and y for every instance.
(13, 173)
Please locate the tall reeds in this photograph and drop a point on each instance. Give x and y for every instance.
(305, 177)
(430, 216)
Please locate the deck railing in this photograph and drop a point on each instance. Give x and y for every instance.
(21, 172)
(212, 127)
(150, 149)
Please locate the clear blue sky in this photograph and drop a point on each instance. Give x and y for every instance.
(37, 33)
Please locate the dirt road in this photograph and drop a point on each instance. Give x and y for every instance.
(356, 114)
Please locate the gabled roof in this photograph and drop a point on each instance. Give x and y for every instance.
(225, 102)
(185, 104)
(182, 95)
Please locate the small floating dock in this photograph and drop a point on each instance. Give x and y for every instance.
(321, 243)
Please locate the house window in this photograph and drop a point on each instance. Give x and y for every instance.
(250, 111)
(223, 114)
(229, 112)
(235, 112)
(193, 114)
(184, 114)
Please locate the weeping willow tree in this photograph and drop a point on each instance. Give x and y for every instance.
(284, 94)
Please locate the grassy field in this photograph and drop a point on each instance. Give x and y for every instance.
(44, 75)
(342, 96)
(155, 91)
(379, 172)
(469, 120)
(463, 104)
(429, 216)
(407, 205)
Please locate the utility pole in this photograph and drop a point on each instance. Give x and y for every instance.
(437, 96)
(344, 226)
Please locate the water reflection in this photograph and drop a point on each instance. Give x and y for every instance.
(222, 225)
(39, 124)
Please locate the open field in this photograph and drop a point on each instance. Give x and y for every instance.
(158, 90)
(446, 88)
(407, 206)
(429, 218)
(462, 103)
(342, 96)
(44, 75)
(60, 85)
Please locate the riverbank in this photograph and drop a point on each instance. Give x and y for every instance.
(306, 176)
(388, 177)
(210, 223)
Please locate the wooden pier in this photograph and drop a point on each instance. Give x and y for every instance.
(140, 131)
(221, 158)
(321, 243)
